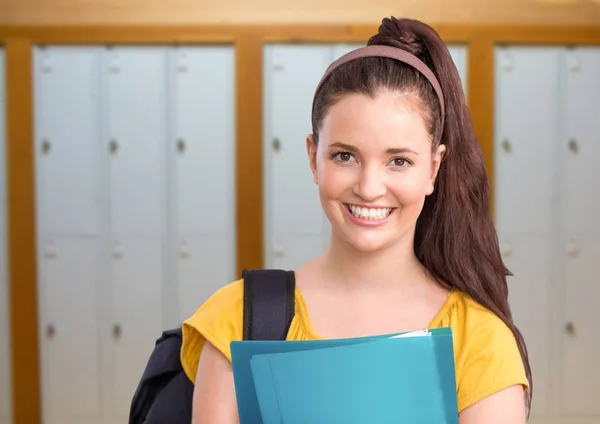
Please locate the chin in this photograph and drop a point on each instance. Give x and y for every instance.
(366, 244)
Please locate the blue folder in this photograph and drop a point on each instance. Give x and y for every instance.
(369, 379)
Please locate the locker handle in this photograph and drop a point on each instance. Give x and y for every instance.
(570, 328)
(573, 145)
(278, 250)
(113, 146)
(572, 249)
(276, 144)
(181, 145)
(506, 249)
(118, 251)
(117, 331)
(506, 145)
(45, 146)
(50, 331)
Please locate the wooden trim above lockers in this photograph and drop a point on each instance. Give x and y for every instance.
(248, 40)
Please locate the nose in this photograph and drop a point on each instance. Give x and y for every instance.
(370, 184)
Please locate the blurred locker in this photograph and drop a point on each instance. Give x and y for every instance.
(546, 214)
(66, 89)
(577, 157)
(135, 167)
(202, 151)
(5, 351)
(525, 193)
(295, 225)
(296, 229)
(135, 108)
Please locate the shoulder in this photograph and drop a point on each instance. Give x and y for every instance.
(219, 321)
(486, 352)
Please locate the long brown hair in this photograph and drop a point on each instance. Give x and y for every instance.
(455, 236)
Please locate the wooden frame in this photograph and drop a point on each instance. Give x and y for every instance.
(249, 41)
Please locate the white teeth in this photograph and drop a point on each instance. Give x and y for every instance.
(370, 213)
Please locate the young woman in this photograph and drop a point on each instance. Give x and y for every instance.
(401, 178)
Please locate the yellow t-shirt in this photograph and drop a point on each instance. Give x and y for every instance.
(486, 355)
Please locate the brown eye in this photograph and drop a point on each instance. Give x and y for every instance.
(345, 156)
(399, 161)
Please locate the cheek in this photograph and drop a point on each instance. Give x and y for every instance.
(410, 189)
(334, 180)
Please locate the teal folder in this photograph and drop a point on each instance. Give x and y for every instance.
(363, 380)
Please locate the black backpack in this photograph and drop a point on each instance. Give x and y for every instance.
(164, 393)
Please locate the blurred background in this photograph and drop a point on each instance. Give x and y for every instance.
(151, 150)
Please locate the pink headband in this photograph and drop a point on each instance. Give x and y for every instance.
(392, 53)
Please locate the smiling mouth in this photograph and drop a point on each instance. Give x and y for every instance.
(371, 214)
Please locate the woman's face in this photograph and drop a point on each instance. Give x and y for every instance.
(374, 167)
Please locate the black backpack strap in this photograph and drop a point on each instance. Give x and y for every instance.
(269, 303)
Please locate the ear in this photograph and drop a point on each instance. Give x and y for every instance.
(436, 162)
(311, 150)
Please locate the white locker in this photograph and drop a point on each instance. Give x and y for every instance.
(522, 143)
(135, 110)
(524, 198)
(67, 205)
(130, 140)
(70, 350)
(5, 357)
(68, 218)
(296, 229)
(202, 150)
(546, 126)
(579, 146)
(579, 149)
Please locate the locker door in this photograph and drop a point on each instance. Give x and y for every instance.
(66, 127)
(202, 147)
(135, 142)
(66, 83)
(579, 146)
(5, 374)
(69, 339)
(525, 154)
(578, 153)
(529, 258)
(525, 149)
(294, 219)
(136, 109)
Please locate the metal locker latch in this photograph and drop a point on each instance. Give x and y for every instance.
(50, 331)
(113, 146)
(50, 252)
(574, 63)
(117, 331)
(570, 328)
(118, 251)
(45, 146)
(573, 145)
(276, 144)
(572, 249)
(278, 250)
(180, 145)
(46, 62)
(507, 62)
(506, 146)
(184, 251)
(506, 249)
(278, 62)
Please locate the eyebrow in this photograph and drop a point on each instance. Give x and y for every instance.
(391, 151)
